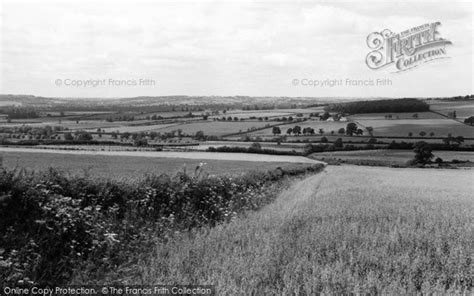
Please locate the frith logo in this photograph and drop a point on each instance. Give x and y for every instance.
(407, 49)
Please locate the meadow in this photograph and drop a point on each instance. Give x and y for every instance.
(463, 109)
(405, 231)
(388, 157)
(327, 127)
(440, 127)
(215, 128)
(129, 165)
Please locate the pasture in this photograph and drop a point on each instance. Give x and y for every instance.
(118, 164)
(388, 157)
(441, 127)
(349, 230)
(215, 128)
(463, 109)
(327, 126)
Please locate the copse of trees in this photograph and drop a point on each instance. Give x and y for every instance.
(380, 106)
(21, 113)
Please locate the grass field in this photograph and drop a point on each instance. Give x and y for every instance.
(349, 230)
(117, 166)
(215, 128)
(401, 127)
(388, 157)
(463, 109)
(327, 126)
(395, 116)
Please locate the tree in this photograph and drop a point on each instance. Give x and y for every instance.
(422, 133)
(370, 130)
(415, 116)
(351, 128)
(469, 120)
(289, 131)
(359, 132)
(199, 135)
(256, 146)
(338, 143)
(321, 131)
(432, 134)
(410, 134)
(423, 152)
(276, 130)
(325, 116)
(324, 140)
(297, 129)
(341, 131)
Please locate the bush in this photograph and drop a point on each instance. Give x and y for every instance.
(423, 152)
(53, 224)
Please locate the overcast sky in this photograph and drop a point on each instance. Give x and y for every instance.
(223, 47)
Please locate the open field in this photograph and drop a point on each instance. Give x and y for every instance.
(327, 126)
(401, 127)
(215, 128)
(136, 164)
(388, 157)
(463, 109)
(395, 116)
(405, 231)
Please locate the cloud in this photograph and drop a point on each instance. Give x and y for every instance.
(258, 43)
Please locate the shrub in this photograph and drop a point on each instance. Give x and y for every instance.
(423, 152)
(53, 224)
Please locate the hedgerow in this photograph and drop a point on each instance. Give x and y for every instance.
(53, 224)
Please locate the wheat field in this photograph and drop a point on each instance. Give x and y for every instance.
(347, 230)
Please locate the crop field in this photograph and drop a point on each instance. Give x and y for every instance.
(133, 166)
(406, 231)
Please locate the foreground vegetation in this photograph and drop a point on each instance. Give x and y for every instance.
(406, 231)
(53, 224)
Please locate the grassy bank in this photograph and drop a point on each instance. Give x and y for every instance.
(54, 224)
(347, 230)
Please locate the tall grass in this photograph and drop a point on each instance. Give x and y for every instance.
(53, 224)
(350, 230)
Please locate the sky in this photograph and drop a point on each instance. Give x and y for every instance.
(224, 48)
